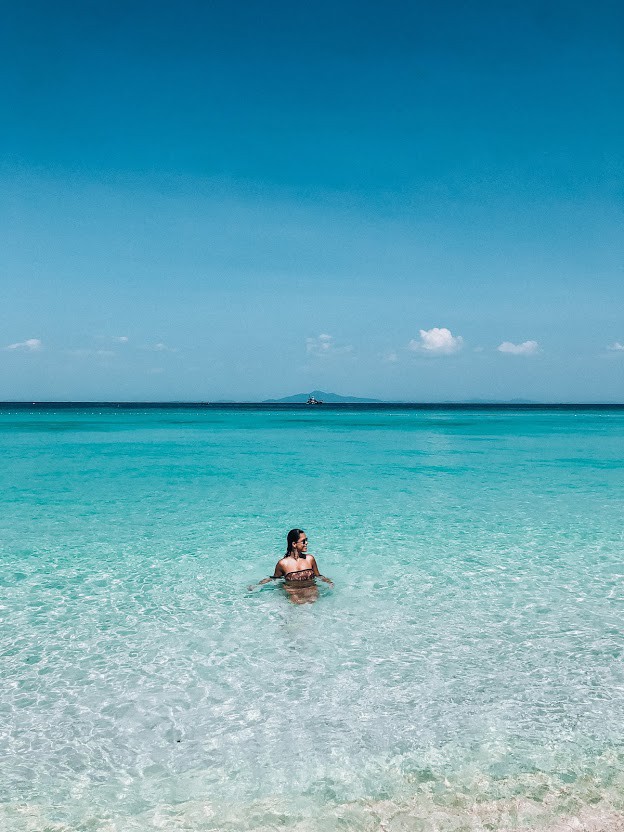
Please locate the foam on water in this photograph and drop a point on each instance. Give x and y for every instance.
(465, 673)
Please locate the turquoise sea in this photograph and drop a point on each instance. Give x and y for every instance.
(465, 673)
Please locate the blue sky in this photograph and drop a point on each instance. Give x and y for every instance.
(215, 200)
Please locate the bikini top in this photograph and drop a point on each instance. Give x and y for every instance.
(299, 575)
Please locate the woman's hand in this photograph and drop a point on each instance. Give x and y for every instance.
(251, 587)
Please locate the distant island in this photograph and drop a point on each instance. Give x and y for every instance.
(321, 395)
(335, 398)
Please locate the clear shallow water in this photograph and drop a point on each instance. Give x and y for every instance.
(465, 673)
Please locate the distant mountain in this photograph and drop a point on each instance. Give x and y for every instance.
(321, 395)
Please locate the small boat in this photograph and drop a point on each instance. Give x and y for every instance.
(312, 400)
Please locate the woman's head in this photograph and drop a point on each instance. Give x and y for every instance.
(297, 542)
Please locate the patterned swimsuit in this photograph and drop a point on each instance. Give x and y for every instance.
(300, 575)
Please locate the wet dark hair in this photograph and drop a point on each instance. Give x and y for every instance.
(292, 537)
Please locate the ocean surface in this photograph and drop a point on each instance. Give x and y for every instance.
(465, 673)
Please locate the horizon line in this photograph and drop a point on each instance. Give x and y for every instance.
(272, 403)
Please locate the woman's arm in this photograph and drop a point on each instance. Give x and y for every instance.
(277, 573)
(318, 574)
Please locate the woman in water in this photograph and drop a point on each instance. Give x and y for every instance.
(298, 569)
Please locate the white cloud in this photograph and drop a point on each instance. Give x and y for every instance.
(319, 346)
(390, 357)
(437, 341)
(616, 347)
(30, 345)
(161, 347)
(121, 339)
(526, 348)
(323, 346)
